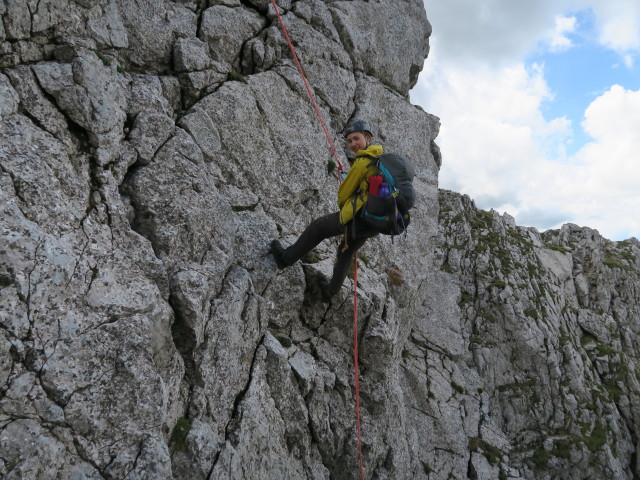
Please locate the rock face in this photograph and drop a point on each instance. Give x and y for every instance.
(549, 327)
(149, 152)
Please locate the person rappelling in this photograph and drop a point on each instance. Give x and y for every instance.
(375, 197)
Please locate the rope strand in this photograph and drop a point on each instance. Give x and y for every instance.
(308, 87)
(355, 255)
(355, 358)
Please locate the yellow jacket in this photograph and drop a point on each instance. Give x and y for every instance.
(356, 185)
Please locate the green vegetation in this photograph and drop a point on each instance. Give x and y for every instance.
(5, 280)
(179, 434)
(625, 253)
(331, 166)
(480, 248)
(498, 283)
(311, 257)
(517, 385)
(564, 339)
(105, 60)
(615, 392)
(458, 388)
(244, 208)
(284, 341)
(612, 262)
(466, 298)
(489, 318)
(604, 349)
(493, 454)
(481, 341)
(597, 439)
(364, 259)
(628, 256)
(236, 77)
(279, 228)
(540, 458)
(620, 257)
(534, 270)
(586, 339)
(561, 449)
(482, 219)
(557, 248)
(522, 240)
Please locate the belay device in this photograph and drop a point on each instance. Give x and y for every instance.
(388, 212)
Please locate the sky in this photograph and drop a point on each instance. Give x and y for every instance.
(539, 104)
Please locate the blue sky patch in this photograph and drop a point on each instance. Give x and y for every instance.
(579, 74)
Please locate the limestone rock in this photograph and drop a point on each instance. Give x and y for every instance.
(17, 20)
(150, 130)
(539, 344)
(400, 61)
(204, 132)
(226, 29)
(9, 99)
(107, 27)
(35, 103)
(149, 153)
(190, 54)
(152, 28)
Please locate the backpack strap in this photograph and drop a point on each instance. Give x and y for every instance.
(387, 174)
(383, 170)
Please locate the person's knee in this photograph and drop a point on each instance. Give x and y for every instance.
(325, 227)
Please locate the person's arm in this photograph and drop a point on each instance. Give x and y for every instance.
(352, 182)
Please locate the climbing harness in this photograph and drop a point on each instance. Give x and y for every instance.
(355, 255)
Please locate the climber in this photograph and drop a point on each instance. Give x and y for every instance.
(352, 195)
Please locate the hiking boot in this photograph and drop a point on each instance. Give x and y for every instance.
(277, 250)
(325, 294)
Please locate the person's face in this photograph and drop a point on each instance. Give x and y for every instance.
(357, 141)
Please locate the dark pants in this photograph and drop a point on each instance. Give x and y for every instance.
(326, 227)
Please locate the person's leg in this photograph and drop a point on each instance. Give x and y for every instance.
(318, 230)
(343, 261)
(341, 267)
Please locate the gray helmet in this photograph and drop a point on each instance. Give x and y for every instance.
(358, 126)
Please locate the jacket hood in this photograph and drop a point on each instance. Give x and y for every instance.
(371, 151)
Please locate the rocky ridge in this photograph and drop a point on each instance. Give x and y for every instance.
(150, 150)
(550, 325)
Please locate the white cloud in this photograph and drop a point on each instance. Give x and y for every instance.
(496, 145)
(559, 39)
(612, 120)
(493, 31)
(619, 24)
(493, 139)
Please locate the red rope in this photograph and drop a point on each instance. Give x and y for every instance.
(306, 84)
(355, 357)
(355, 255)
